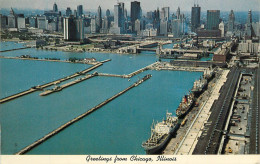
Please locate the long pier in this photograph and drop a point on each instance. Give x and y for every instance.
(62, 127)
(33, 89)
(139, 71)
(15, 49)
(47, 92)
(48, 60)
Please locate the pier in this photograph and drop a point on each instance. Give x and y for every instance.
(40, 87)
(15, 49)
(111, 75)
(59, 88)
(139, 71)
(51, 60)
(62, 127)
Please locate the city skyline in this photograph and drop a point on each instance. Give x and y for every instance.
(147, 5)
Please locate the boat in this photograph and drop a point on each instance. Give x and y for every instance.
(185, 105)
(208, 74)
(199, 86)
(161, 134)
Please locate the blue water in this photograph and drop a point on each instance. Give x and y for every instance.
(117, 128)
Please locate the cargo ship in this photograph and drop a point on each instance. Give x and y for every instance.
(185, 105)
(199, 86)
(208, 74)
(160, 134)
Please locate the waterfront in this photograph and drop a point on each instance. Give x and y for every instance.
(117, 128)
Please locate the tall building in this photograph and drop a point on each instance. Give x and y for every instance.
(137, 26)
(108, 13)
(42, 22)
(68, 11)
(75, 13)
(135, 13)
(165, 13)
(12, 19)
(222, 28)
(99, 19)
(3, 20)
(73, 29)
(20, 22)
(119, 18)
(248, 30)
(79, 10)
(231, 21)
(177, 28)
(213, 19)
(195, 17)
(178, 13)
(33, 22)
(55, 7)
(93, 25)
(164, 27)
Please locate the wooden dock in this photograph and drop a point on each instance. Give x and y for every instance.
(62, 127)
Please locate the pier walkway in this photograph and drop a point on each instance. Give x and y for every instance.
(59, 88)
(40, 87)
(51, 60)
(62, 127)
(15, 49)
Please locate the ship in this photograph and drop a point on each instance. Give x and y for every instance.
(161, 134)
(199, 86)
(185, 105)
(208, 74)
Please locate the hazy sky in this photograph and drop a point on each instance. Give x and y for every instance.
(185, 5)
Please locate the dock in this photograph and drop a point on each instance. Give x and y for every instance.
(51, 60)
(40, 87)
(15, 49)
(47, 60)
(59, 88)
(62, 127)
(139, 71)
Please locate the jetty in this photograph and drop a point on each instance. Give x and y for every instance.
(62, 127)
(59, 88)
(40, 87)
(14, 49)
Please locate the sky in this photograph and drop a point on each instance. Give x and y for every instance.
(147, 5)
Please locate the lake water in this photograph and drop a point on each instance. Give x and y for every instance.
(119, 127)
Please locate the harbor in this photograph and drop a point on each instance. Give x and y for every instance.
(56, 131)
(40, 87)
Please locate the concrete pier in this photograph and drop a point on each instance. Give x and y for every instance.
(33, 89)
(62, 127)
(59, 88)
(48, 60)
(15, 49)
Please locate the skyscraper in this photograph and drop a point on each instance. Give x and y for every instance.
(73, 29)
(119, 16)
(68, 11)
(108, 13)
(99, 19)
(79, 10)
(165, 13)
(213, 18)
(55, 7)
(12, 19)
(231, 21)
(248, 30)
(178, 13)
(135, 13)
(195, 17)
